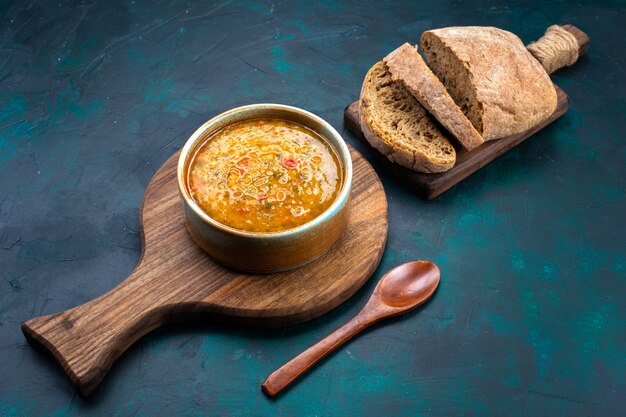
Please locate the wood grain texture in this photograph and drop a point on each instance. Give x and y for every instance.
(175, 281)
(429, 186)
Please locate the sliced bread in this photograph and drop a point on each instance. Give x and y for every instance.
(498, 84)
(396, 124)
(407, 66)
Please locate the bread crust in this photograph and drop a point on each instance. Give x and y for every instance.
(407, 66)
(514, 90)
(392, 147)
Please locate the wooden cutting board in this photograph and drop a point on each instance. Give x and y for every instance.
(175, 281)
(429, 186)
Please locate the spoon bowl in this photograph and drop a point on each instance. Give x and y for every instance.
(408, 285)
(402, 289)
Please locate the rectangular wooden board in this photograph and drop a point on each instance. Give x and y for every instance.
(429, 186)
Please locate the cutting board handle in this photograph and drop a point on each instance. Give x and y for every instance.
(559, 47)
(88, 338)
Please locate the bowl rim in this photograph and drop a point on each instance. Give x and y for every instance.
(341, 199)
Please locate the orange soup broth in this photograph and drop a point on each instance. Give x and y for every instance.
(264, 175)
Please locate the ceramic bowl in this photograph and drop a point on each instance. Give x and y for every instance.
(266, 251)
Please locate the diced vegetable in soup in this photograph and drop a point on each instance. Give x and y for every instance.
(264, 175)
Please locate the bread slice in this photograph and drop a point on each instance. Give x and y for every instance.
(396, 124)
(498, 84)
(407, 66)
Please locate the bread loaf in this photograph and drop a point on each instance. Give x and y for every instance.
(407, 66)
(496, 82)
(396, 124)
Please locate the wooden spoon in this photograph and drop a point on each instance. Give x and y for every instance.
(402, 289)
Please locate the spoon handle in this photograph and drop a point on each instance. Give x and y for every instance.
(290, 371)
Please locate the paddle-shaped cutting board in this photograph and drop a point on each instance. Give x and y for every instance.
(175, 280)
(429, 186)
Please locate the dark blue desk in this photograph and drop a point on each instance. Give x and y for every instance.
(529, 318)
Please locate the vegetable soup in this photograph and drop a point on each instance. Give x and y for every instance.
(264, 175)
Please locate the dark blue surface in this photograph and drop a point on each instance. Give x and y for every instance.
(530, 315)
